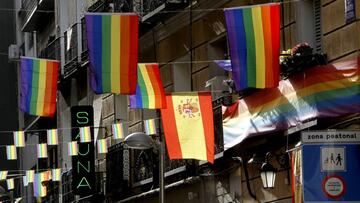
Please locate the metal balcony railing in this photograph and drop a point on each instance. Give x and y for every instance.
(71, 50)
(28, 7)
(52, 50)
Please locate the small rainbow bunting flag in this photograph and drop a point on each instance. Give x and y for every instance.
(25, 181)
(11, 152)
(73, 148)
(39, 189)
(118, 131)
(56, 174)
(10, 184)
(102, 146)
(38, 86)
(46, 176)
(19, 138)
(42, 150)
(150, 127)
(254, 40)
(113, 51)
(52, 137)
(30, 175)
(85, 134)
(150, 92)
(3, 175)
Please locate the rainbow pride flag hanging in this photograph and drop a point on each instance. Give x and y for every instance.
(52, 137)
(150, 92)
(19, 138)
(42, 150)
(56, 174)
(38, 86)
(10, 184)
(30, 175)
(11, 152)
(113, 51)
(39, 189)
(102, 146)
(73, 148)
(3, 175)
(150, 127)
(254, 40)
(85, 134)
(118, 131)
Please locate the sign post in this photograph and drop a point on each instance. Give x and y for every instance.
(83, 173)
(331, 166)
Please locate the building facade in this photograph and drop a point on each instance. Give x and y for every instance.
(184, 37)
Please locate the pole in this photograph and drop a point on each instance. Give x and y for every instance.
(161, 171)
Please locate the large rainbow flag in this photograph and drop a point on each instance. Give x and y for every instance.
(254, 40)
(319, 92)
(113, 50)
(38, 86)
(150, 92)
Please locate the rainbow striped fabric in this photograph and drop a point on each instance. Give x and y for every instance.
(11, 152)
(10, 184)
(85, 134)
(39, 189)
(254, 40)
(102, 146)
(25, 181)
(52, 137)
(38, 86)
(150, 92)
(118, 131)
(73, 148)
(19, 138)
(3, 175)
(56, 174)
(42, 150)
(150, 127)
(30, 175)
(113, 51)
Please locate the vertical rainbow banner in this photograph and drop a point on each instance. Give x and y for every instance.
(42, 150)
(38, 86)
(39, 189)
(25, 181)
(56, 174)
(85, 134)
(118, 131)
(52, 137)
(73, 148)
(19, 138)
(11, 152)
(254, 40)
(10, 184)
(150, 92)
(102, 146)
(150, 127)
(30, 175)
(113, 51)
(3, 175)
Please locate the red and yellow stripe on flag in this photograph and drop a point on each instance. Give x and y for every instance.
(189, 126)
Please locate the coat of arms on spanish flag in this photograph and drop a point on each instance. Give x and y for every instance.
(188, 126)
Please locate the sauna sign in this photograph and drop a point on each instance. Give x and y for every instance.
(83, 173)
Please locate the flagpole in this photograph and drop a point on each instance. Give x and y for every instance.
(161, 147)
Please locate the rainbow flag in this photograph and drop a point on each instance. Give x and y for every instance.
(150, 92)
(25, 181)
(102, 146)
(38, 86)
(56, 174)
(19, 138)
(46, 175)
(52, 137)
(10, 184)
(30, 175)
(85, 134)
(73, 148)
(113, 51)
(254, 40)
(39, 189)
(118, 131)
(150, 127)
(3, 175)
(42, 150)
(11, 152)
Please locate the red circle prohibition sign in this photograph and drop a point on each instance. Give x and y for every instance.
(341, 183)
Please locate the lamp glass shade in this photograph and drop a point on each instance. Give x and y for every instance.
(139, 141)
(268, 175)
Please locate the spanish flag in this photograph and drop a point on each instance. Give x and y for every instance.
(188, 126)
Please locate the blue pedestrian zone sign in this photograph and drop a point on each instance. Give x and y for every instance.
(331, 166)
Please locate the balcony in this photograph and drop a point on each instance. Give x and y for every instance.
(52, 50)
(33, 13)
(71, 50)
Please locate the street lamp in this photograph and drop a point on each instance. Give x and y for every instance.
(142, 141)
(268, 173)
